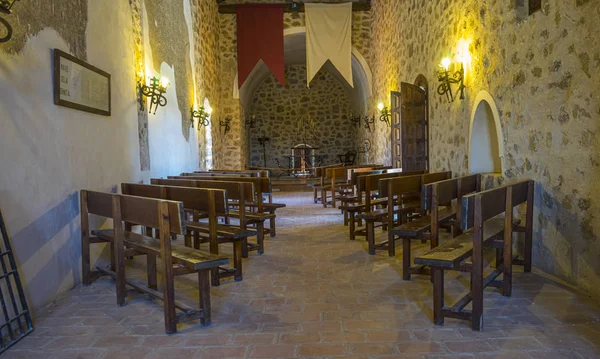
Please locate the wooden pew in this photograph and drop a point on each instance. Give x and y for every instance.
(400, 194)
(434, 195)
(320, 173)
(338, 182)
(324, 177)
(261, 185)
(240, 193)
(167, 216)
(483, 228)
(357, 196)
(368, 187)
(194, 202)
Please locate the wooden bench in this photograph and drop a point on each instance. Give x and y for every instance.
(262, 187)
(168, 217)
(239, 194)
(436, 199)
(368, 187)
(196, 203)
(325, 179)
(483, 228)
(401, 194)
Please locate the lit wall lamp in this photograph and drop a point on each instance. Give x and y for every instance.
(202, 115)
(5, 7)
(225, 125)
(385, 114)
(447, 78)
(252, 121)
(369, 123)
(155, 91)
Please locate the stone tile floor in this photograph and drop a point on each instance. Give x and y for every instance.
(315, 294)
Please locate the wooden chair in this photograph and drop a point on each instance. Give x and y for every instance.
(368, 189)
(436, 200)
(167, 216)
(240, 195)
(195, 202)
(402, 195)
(262, 187)
(483, 228)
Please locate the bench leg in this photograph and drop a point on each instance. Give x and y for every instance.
(237, 260)
(272, 225)
(324, 197)
(352, 226)
(260, 236)
(406, 258)
(438, 295)
(391, 245)
(151, 270)
(187, 239)
(371, 236)
(345, 217)
(315, 195)
(245, 248)
(85, 259)
(477, 287)
(507, 273)
(204, 289)
(214, 249)
(119, 255)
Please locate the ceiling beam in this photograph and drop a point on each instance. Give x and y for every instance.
(287, 7)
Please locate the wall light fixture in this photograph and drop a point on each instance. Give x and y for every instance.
(225, 125)
(155, 91)
(202, 114)
(385, 114)
(447, 77)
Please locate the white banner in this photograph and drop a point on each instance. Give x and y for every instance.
(328, 37)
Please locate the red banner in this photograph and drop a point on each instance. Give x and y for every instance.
(260, 36)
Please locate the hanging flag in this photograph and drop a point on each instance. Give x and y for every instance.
(328, 37)
(260, 37)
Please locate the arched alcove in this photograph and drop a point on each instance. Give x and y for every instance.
(486, 144)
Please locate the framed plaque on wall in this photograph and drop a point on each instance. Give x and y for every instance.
(80, 86)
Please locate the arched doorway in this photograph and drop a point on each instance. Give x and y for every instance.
(486, 145)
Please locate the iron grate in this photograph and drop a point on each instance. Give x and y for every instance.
(15, 319)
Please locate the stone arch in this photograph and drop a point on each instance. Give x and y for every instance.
(295, 48)
(486, 142)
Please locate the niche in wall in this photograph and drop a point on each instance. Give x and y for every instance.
(485, 136)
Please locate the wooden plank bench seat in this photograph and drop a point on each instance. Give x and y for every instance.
(438, 210)
(487, 221)
(197, 202)
(189, 257)
(168, 217)
(262, 185)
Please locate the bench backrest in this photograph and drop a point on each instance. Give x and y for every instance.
(450, 189)
(391, 187)
(260, 184)
(355, 175)
(236, 191)
(496, 201)
(133, 210)
(254, 173)
(217, 174)
(196, 199)
(370, 183)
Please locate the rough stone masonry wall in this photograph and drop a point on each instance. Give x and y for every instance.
(544, 74)
(231, 151)
(280, 110)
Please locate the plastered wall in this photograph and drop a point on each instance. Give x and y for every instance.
(48, 153)
(543, 72)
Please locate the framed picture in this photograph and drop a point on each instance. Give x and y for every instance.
(534, 6)
(80, 86)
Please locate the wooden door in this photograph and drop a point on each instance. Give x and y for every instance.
(396, 130)
(414, 128)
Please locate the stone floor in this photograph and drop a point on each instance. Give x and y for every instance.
(316, 294)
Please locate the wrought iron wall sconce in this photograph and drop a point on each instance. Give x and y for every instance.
(252, 121)
(385, 114)
(356, 120)
(155, 91)
(202, 115)
(5, 7)
(369, 123)
(447, 78)
(225, 126)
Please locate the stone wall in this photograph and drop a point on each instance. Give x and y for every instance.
(66, 150)
(231, 151)
(544, 74)
(279, 111)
